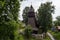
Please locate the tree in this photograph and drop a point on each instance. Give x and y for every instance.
(25, 13)
(28, 32)
(9, 30)
(9, 10)
(45, 16)
(58, 18)
(57, 21)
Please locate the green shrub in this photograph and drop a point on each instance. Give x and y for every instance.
(28, 32)
(9, 30)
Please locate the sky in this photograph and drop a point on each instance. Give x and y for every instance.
(37, 3)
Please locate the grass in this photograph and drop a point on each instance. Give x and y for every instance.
(56, 35)
(47, 38)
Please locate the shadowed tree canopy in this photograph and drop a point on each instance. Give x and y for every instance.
(45, 15)
(25, 14)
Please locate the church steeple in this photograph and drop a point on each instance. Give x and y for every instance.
(32, 19)
(31, 9)
(31, 12)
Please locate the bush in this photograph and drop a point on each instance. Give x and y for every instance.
(9, 30)
(28, 32)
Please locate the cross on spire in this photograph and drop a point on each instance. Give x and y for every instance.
(48, 0)
(31, 3)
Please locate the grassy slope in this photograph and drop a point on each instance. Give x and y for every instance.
(47, 38)
(56, 35)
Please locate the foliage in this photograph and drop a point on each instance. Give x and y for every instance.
(9, 10)
(21, 37)
(57, 22)
(28, 32)
(9, 30)
(58, 18)
(56, 35)
(45, 15)
(25, 14)
(47, 38)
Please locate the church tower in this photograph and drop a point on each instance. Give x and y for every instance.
(31, 18)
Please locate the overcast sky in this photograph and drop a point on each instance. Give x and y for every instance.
(36, 4)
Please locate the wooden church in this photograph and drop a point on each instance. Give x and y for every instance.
(32, 20)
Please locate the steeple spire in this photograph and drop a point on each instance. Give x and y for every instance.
(31, 9)
(31, 12)
(31, 3)
(48, 0)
